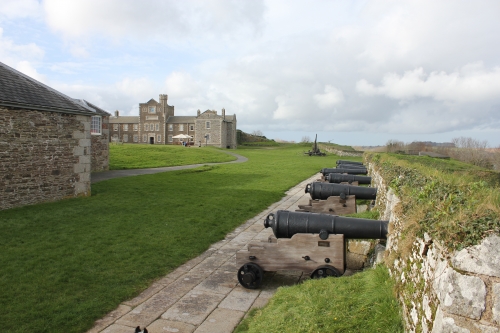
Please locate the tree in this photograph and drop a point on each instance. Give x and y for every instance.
(471, 151)
(393, 146)
(305, 139)
(257, 133)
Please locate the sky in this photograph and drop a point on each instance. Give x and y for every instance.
(353, 72)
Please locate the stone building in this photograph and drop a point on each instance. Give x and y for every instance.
(157, 124)
(45, 142)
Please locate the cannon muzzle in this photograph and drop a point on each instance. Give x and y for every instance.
(322, 191)
(285, 224)
(341, 178)
(352, 171)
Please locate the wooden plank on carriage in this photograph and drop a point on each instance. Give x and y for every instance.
(304, 252)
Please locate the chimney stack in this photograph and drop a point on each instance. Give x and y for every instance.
(199, 112)
(223, 113)
(117, 113)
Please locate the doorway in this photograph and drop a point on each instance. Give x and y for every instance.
(152, 140)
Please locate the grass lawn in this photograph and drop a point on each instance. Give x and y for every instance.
(65, 264)
(364, 302)
(134, 156)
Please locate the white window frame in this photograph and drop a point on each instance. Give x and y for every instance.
(170, 138)
(170, 127)
(125, 137)
(136, 138)
(145, 138)
(191, 127)
(115, 127)
(125, 127)
(157, 127)
(96, 125)
(146, 127)
(158, 138)
(181, 127)
(207, 125)
(151, 109)
(136, 127)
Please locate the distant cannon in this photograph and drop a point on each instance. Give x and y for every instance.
(342, 178)
(348, 162)
(358, 171)
(312, 243)
(350, 166)
(322, 191)
(315, 151)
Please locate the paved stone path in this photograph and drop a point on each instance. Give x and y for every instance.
(105, 175)
(204, 295)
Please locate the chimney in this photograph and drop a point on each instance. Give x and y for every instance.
(223, 113)
(199, 112)
(117, 113)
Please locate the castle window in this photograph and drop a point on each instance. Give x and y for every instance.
(125, 127)
(191, 127)
(146, 127)
(115, 127)
(157, 127)
(152, 109)
(95, 125)
(207, 125)
(170, 139)
(181, 127)
(136, 138)
(136, 128)
(170, 127)
(158, 138)
(125, 138)
(145, 138)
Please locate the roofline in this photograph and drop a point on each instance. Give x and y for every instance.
(44, 108)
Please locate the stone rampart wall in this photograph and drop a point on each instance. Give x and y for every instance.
(441, 291)
(44, 156)
(340, 152)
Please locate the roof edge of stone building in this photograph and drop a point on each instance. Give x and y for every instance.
(78, 109)
(93, 107)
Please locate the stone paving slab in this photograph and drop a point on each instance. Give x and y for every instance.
(203, 295)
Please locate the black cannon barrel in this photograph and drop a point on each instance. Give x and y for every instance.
(323, 191)
(285, 224)
(326, 171)
(348, 162)
(350, 166)
(340, 178)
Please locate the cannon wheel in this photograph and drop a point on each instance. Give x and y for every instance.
(325, 271)
(250, 275)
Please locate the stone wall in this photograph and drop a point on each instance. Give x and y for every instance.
(340, 152)
(100, 148)
(44, 156)
(441, 291)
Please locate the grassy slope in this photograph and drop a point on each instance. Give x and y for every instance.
(134, 156)
(65, 264)
(363, 302)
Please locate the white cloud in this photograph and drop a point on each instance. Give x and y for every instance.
(12, 53)
(27, 68)
(20, 8)
(473, 83)
(331, 97)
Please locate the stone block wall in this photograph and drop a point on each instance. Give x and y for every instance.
(441, 291)
(44, 156)
(100, 148)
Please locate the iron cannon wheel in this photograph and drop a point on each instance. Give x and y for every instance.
(250, 275)
(325, 271)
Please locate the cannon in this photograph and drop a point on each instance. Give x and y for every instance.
(322, 191)
(312, 243)
(341, 178)
(315, 151)
(358, 171)
(350, 166)
(348, 162)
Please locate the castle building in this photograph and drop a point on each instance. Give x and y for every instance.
(157, 124)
